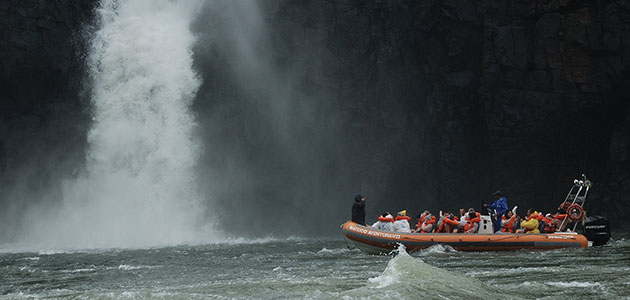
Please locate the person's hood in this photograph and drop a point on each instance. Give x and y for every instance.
(358, 198)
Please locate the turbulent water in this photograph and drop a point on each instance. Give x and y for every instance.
(320, 269)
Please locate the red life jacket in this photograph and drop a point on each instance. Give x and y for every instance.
(449, 222)
(556, 217)
(560, 217)
(471, 223)
(402, 218)
(385, 219)
(432, 221)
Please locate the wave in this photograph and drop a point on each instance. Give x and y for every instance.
(130, 267)
(81, 270)
(261, 240)
(410, 277)
(31, 258)
(563, 284)
(435, 249)
(578, 284)
(335, 252)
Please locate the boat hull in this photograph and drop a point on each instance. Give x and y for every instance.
(371, 240)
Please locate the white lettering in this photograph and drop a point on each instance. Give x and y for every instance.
(560, 237)
(374, 233)
(595, 226)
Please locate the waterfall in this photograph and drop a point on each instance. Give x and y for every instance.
(138, 188)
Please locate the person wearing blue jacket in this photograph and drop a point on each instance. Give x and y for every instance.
(500, 206)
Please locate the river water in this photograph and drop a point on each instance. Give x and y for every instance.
(315, 269)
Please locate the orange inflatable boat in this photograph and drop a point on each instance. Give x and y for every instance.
(375, 241)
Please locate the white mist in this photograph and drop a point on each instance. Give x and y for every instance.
(139, 186)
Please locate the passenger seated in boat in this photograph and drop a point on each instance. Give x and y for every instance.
(426, 223)
(557, 224)
(542, 222)
(473, 222)
(447, 223)
(401, 223)
(547, 226)
(419, 221)
(463, 219)
(509, 221)
(385, 222)
(531, 224)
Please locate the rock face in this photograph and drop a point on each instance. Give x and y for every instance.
(43, 117)
(555, 80)
(424, 104)
(416, 104)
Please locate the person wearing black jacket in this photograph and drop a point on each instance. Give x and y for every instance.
(358, 210)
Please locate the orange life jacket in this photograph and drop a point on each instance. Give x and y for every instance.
(509, 226)
(533, 215)
(560, 216)
(543, 223)
(421, 221)
(447, 221)
(402, 218)
(424, 216)
(432, 221)
(471, 223)
(385, 219)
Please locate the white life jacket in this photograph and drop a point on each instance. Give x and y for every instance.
(402, 224)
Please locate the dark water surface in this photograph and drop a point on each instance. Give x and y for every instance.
(311, 268)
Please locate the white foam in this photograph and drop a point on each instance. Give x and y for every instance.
(33, 258)
(578, 284)
(82, 270)
(241, 240)
(28, 269)
(262, 240)
(408, 277)
(391, 274)
(337, 251)
(53, 252)
(130, 267)
(524, 270)
(562, 284)
(437, 249)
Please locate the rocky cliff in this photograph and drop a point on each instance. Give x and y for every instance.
(43, 115)
(471, 97)
(417, 104)
(434, 104)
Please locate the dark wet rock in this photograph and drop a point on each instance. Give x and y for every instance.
(417, 104)
(42, 116)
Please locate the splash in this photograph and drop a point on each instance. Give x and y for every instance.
(138, 188)
(438, 249)
(408, 277)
